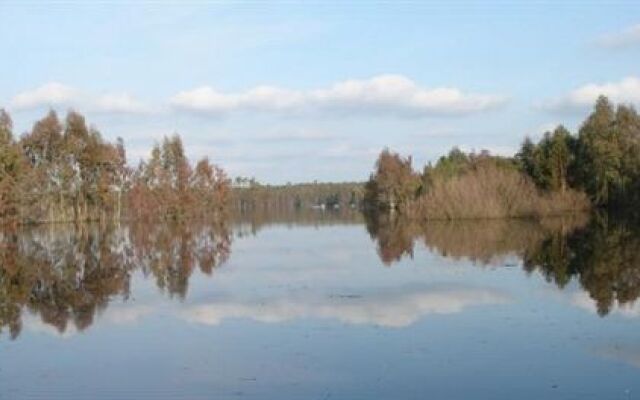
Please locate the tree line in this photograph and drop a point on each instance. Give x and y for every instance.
(66, 171)
(251, 196)
(562, 172)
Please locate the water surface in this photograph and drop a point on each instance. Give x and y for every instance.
(321, 306)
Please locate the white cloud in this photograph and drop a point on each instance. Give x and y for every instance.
(628, 37)
(301, 135)
(121, 103)
(389, 307)
(57, 94)
(50, 94)
(626, 90)
(384, 94)
(381, 95)
(263, 98)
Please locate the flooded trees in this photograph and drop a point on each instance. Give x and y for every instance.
(600, 166)
(464, 186)
(66, 171)
(393, 183)
(11, 170)
(72, 171)
(166, 185)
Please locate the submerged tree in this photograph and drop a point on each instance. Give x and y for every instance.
(393, 183)
(166, 185)
(66, 171)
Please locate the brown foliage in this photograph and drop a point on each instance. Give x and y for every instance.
(393, 184)
(490, 242)
(167, 187)
(491, 191)
(68, 172)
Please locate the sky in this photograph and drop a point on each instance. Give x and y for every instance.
(303, 91)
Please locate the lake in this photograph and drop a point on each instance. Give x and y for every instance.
(321, 305)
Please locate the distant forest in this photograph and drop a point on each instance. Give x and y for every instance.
(249, 195)
(599, 167)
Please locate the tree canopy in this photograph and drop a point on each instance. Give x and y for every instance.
(554, 175)
(66, 171)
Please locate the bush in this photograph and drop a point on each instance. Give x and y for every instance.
(491, 191)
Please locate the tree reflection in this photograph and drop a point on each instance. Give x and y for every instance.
(67, 274)
(603, 256)
(394, 235)
(492, 242)
(171, 252)
(600, 254)
(251, 222)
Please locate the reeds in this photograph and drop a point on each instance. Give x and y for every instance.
(491, 191)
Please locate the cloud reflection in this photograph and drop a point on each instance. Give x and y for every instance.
(626, 353)
(393, 307)
(584, 301)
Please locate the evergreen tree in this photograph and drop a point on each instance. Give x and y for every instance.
(599, 157)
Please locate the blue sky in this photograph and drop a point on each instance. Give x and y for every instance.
(292, 91)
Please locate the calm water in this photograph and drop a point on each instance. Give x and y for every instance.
(321, 306)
